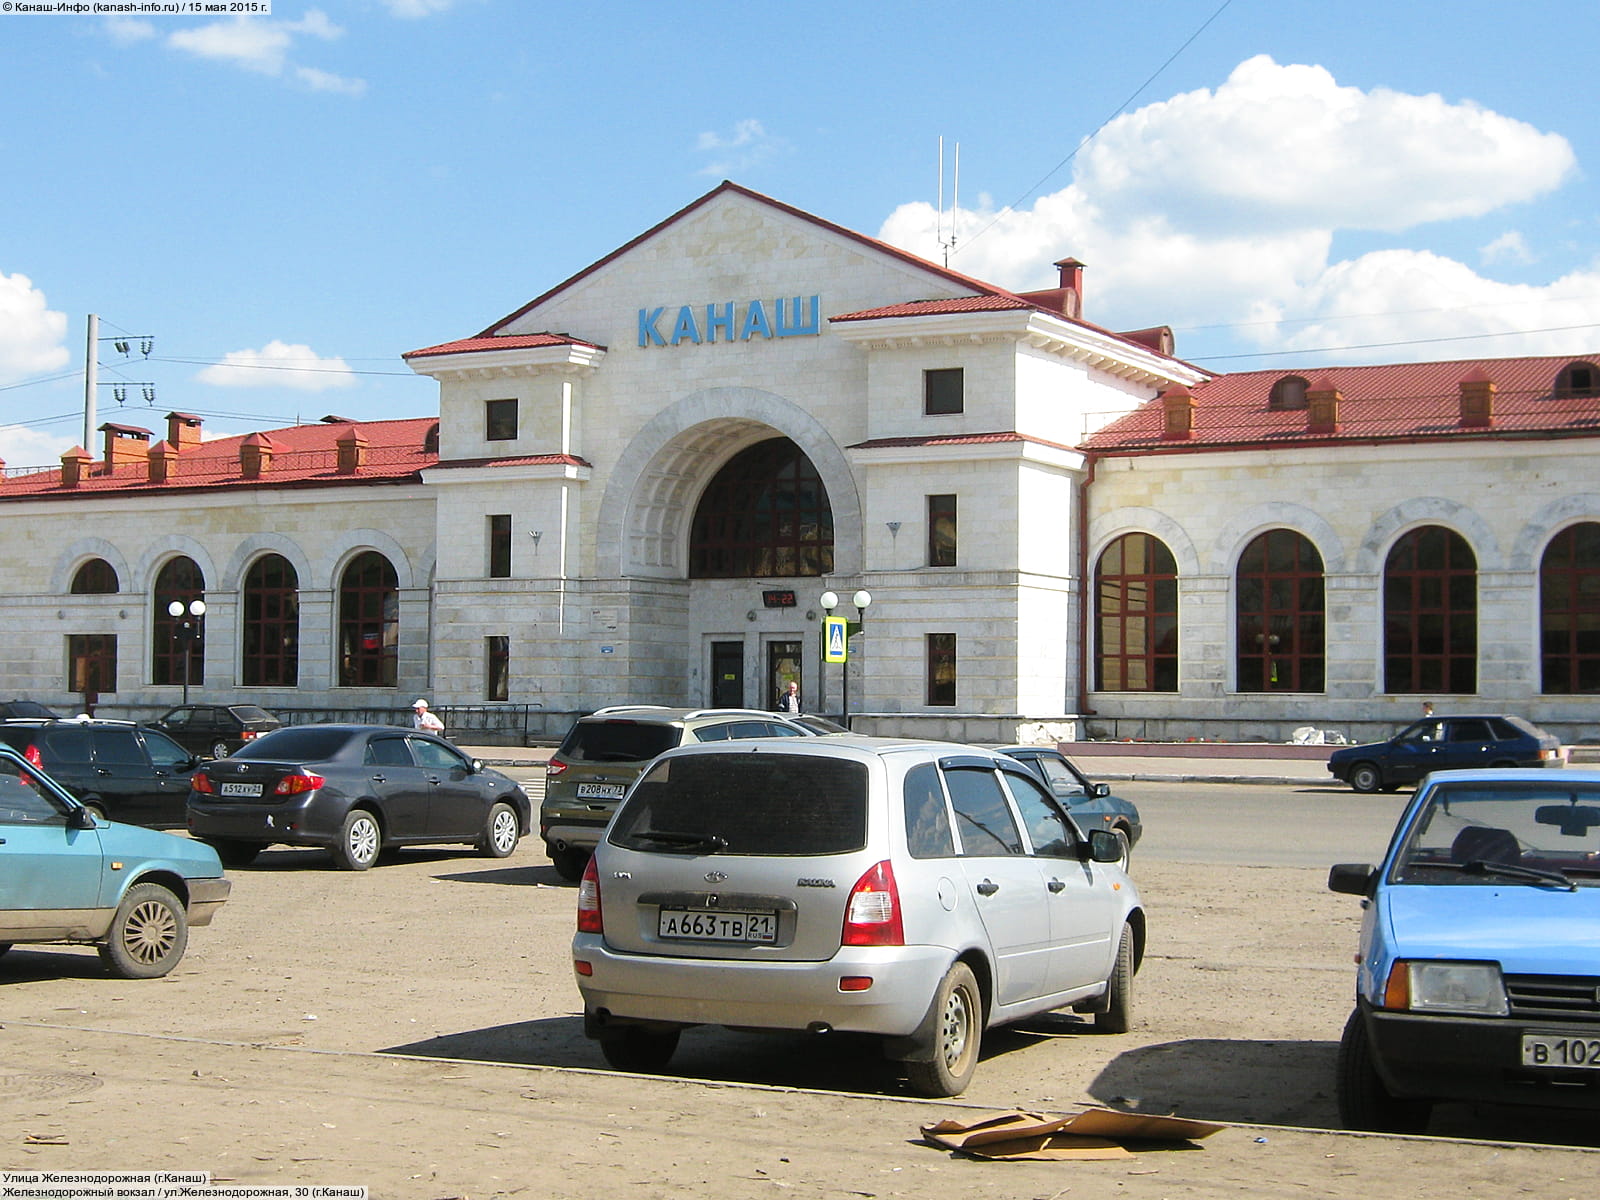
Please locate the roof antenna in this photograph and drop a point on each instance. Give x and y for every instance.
(955, 202)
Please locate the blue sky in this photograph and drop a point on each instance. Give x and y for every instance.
(330, 186)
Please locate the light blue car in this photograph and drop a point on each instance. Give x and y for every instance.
(1480, 951)
(66, 877)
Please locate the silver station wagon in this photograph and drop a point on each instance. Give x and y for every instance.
(920, 891)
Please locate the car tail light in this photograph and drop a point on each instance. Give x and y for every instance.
(300, 781)
(872, 913)
(590, 919)
(247, 735)
(201, 782)
(32, 755)
(553, 768)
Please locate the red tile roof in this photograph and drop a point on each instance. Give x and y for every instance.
(302, 456)
(523, 341)
(1401, 401)
(954, 304)
(957, 439)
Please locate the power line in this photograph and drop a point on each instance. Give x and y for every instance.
(1463, 337)
(1117, 112)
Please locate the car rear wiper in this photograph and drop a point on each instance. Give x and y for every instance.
(686, 841)
(1483, 866)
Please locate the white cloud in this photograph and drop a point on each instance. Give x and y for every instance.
(128, 30)
(264, 46)
(1509, 247)
(1221, 207)
(22, 448)
(279, 365)
(30, 333)
(412, 9)
(735, 153)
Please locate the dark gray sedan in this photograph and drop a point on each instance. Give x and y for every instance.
(1091, 804)
(358, 790)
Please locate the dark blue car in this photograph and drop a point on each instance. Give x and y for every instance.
(1444, 744)
(1091, 805)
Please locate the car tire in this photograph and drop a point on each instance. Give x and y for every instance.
(952, 1051)
(237, 854)
(220, 750)
(95, 811)
(1117, 1015)
(569, 863)
(360, 841)
(148, 935)
(641, 1051)
(1366, 777)
(501, 831)
(1364, 1102)
(1125, 861)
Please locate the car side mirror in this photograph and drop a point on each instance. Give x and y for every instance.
(81, 818)
(1104, 846)
(477, 766)
(1099, 790)
(1353, 879)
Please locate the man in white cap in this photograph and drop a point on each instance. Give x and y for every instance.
(424, 720)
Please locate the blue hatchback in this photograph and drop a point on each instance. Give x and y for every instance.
(1479, 973)
(66, 876)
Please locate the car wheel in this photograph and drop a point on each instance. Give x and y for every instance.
(1365, 777)
(237, 854)
(957, 1032)
(148, 935)
(360, 841)
(1364, 1102)
(219, 750)
(570, 862)
(1117, 1016)
(1125, 860)
(98, 813)
(643, 1051)
(500, 832)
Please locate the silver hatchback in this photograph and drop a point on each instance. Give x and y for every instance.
(920, 891)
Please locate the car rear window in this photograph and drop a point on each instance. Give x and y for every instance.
(249, 712)
(305, 744)
(758, 804)
(617, 741)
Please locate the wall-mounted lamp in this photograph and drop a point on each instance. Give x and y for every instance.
(751, 615)
(536, 534)
(894, 528)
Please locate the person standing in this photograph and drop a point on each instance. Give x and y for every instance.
(424, 720)
(789, 698)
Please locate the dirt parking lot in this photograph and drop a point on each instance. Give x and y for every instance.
(415, 1030)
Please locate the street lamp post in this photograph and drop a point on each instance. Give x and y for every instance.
(190, 616)
(830, 601)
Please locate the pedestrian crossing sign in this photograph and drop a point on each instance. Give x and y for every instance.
(835, 640)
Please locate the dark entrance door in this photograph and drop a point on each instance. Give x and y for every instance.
(783, 664)
(727, 675)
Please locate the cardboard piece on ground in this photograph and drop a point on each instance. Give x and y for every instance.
(1097, 1133)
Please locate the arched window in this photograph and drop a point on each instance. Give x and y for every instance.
(766, 513)
(271, 629)
(1136, 616)
(369, 622)
(1280, 615)
(1288, 393)
(177, 643)
(96, 577)
(1430, 614)
(1569, 611)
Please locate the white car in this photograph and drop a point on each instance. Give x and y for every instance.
(921, 891)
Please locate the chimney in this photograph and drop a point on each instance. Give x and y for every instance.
(2, 468)
(1322, 407)
(1072, 284)
(73, 465)
(255, 455)
(1477, 400)
(125, 444)
(163, 458)
(352, 451)
(183, 431)
(1178, 406)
